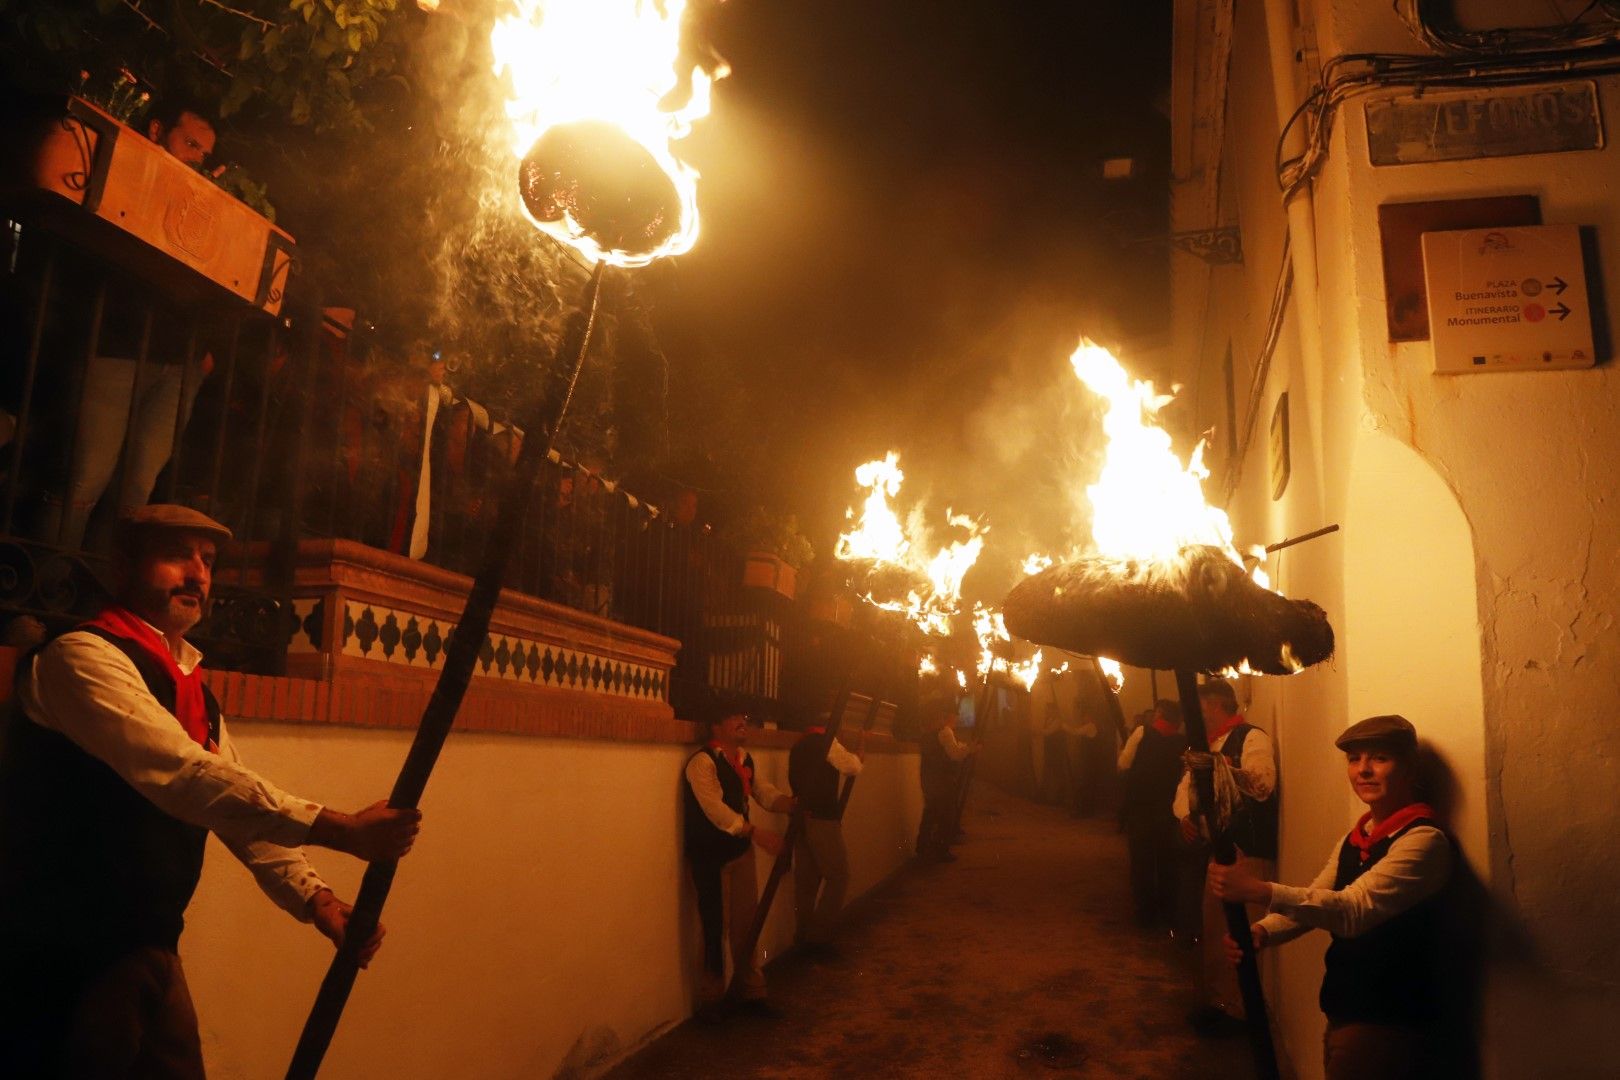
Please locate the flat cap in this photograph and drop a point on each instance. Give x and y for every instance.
(170, 516)
(1390, 730)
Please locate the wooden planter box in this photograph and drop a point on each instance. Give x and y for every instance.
(75, 171)
(762, 570)
(838, 610)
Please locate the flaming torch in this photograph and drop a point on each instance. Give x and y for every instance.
(1167, 589)
(596, 100)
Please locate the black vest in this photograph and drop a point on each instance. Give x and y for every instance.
(812, 776)
(1254, 823)
(1150, 783)
(88, 866)
(704, 841)
(1390, 974)
(938, 770)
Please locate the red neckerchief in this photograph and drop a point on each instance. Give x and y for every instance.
(1224, 729)
(189, 707)
(1397, 821)
(1164, 727)
(817, 730)
(739, 766)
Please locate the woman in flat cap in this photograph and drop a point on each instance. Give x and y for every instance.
(1378, 896)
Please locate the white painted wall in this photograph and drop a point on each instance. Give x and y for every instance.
(1474, 584)
(543, 925)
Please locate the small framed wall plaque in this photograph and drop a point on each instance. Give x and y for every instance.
(1279, 447)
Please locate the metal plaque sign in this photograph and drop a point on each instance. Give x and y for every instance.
(1484, 123)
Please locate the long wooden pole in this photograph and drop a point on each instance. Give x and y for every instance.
(981, 713)
(1237, 919)
(461, 655)
(873, 707)
(784, 858)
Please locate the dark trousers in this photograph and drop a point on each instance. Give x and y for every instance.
(711, 902)
(131, 1018)
(1191, 864)
(1355, 1051)
(939, 808)
(714, 879)
(1151, 840)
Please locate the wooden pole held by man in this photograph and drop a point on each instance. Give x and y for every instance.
(1237, 919)
(461, 654)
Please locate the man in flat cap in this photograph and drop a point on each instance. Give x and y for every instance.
(1379, 897)
(114, 767)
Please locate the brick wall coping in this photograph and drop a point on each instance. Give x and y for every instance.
(383, 700)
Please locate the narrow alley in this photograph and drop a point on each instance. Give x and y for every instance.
(1018, 959)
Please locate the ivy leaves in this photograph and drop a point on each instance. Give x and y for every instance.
(299, 62)
(307, 64)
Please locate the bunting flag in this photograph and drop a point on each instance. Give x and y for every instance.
(443, 396)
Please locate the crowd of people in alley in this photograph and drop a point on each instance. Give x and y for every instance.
(1380, 896)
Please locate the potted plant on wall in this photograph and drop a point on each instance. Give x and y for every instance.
(775, 548)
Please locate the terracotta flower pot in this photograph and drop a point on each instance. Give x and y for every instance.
(763, 570)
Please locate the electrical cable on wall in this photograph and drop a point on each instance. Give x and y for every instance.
(1476, 59)
(1587, 45)
(1578, 32)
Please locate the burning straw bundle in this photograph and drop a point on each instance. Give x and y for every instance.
(1199, 612)
(1196, 612)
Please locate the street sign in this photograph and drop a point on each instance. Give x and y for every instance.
(1500, 122)
(1508, 299)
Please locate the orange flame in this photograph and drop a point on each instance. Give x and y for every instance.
(1146, 504)
(880, 536)
(611, 61)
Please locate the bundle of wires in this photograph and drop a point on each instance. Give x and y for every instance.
(1588, 45)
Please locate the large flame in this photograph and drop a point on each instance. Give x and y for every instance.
(1146, 504)
(611, 61)
(878, 535)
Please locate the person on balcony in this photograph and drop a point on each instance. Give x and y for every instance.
(720, 782)
(1380, 896)
(129, 412)
(115, 764)
(820, 860)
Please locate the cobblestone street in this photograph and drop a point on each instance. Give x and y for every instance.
(1019, 959)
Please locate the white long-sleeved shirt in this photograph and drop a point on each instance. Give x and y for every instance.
(1414, 868)
(1256, 773)
(702, 774)
(841, 759)
(1127, 753)
(84, 687)
(955, 748)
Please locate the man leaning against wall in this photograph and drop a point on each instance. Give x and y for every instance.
(719, 783)
(1380, 896)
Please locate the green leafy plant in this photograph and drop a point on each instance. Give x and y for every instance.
(235, 181)
(778, 534)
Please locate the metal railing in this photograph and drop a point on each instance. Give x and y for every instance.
(283, 430)
(113, 395)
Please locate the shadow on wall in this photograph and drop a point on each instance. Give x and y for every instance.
(1467, 904)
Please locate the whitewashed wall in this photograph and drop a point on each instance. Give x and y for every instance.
(542, 925)
(1474, 583)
